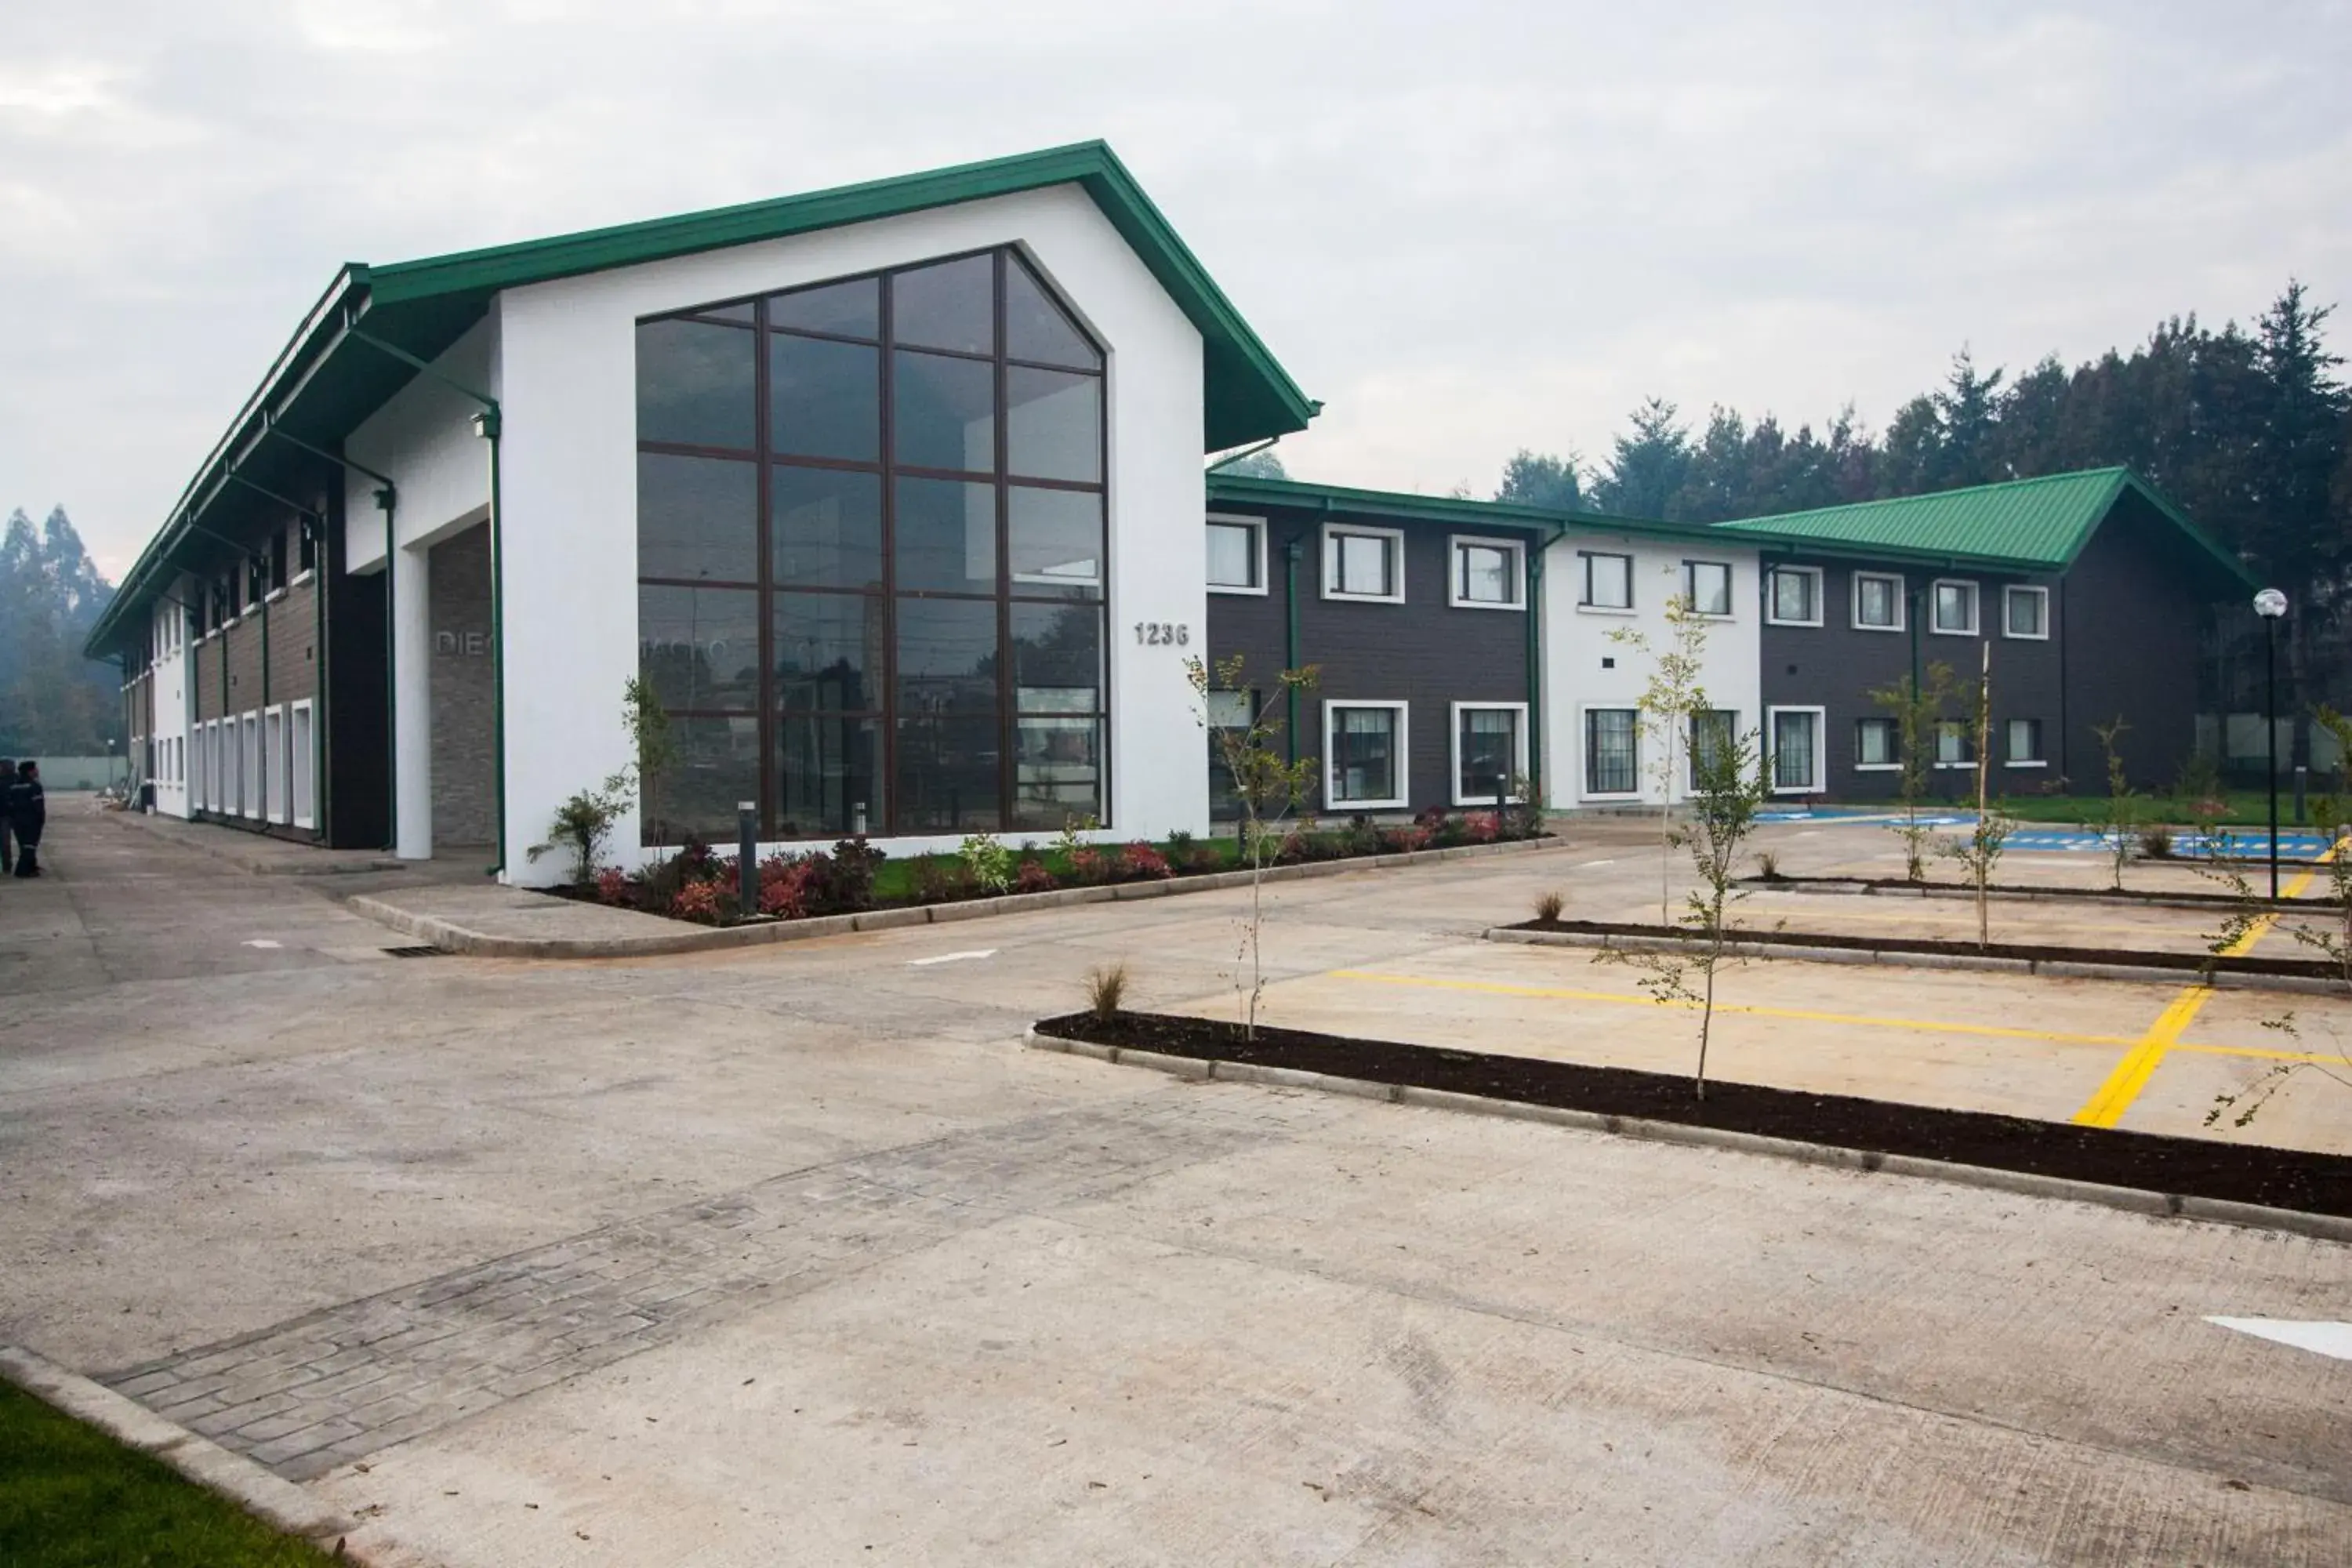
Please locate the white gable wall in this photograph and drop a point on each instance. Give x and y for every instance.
(566, 362)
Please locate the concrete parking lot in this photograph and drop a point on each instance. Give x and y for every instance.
(796, 1254)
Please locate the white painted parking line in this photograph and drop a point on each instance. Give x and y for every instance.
(2327, 1338)
(951, 957)
(262, 942)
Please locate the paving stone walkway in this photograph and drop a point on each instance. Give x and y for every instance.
(338, 1385)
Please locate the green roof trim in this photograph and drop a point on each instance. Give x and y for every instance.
(1247, 490)
(2037, 525)
(1249, 396)
(325, 382)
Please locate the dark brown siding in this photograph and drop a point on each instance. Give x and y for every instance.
(1423, 652)
(2129, 620)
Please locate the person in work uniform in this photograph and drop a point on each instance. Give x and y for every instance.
(28, 811)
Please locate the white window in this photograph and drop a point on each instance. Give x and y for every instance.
(2025, 612)
(1794, 598)
(1490, 752)
(1612, 751)
(274, 770)
(249, 780)
(1956, 610)
(1707, 587)
(1796, 760)
(303, 772)
(1955, 747)
(1712, 732)
(1366, 744)
(1877, 744)
(2025, 744)
(1486, 575)
(1877, 602)
(1363, 564)
(1236, 554)
(1607, 581)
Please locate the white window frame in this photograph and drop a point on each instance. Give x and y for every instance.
(276, 798)
(1395, 538)
(2009, 746)
(1893, 728)
(1730, 590)
(1256, 526)
(1820, 746)
(2008, 628)
(302, 764)
(1516, 549)
(249, 776)
(1772, 615)
(1518, 750)
(1584, 604)
(1854, 604)
(1584, 748)
(1403, 712)
(1976, 606)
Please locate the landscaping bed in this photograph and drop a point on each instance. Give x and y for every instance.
(2191, 964)
(1904, 886)
(2196, 1167)
(700, 884)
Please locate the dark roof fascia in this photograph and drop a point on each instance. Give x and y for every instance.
(314, 340)
(1276, 405)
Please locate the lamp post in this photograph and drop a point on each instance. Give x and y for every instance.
(2271, 605)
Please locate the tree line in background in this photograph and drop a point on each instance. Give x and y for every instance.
(53, 702)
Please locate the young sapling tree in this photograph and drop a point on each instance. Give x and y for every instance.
(1670, 706)
(2118, 819)
(1917, 708)
(1243, 728)
(1979, 852)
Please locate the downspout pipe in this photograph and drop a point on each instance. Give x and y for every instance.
(488, 424)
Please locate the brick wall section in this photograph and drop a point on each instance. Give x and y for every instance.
(1425, 652)
(464, 691)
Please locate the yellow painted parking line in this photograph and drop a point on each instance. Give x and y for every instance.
(1802, 1015)
(2113, 1097)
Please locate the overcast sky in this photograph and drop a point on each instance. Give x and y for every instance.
(1466, 227)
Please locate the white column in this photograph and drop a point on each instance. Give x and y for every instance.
(411, 741)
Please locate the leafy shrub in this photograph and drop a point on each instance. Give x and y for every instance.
(583, 823)
(1548, 907)
(784, 885)
(1188, 854)
(2156, 841)
(612, 885)
(987, 863)
(1360, 837)
(1293, 848)
(939, 878)
(843, 883)
(696, 902)
(1140, 862)
(1482, 827)
(1089, 865)
(1404, 840)
(1768, 865)
(693, 863)
(1524, 817)
(1106, 989)
(1035, 878)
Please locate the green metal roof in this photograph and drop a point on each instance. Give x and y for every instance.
(327, 380)
(1247, 490)
(2040, 524)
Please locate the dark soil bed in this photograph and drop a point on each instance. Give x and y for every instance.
(1904, 886)
(2189, 964)
(2280, 1178)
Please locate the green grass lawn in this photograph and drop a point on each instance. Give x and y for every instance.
(71, 1497)
(895, 879)
(2248, 808)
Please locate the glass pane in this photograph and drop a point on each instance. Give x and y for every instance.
(947, 772)
(1955, 608)
(947, 536)
(1057, 665)
(1792, 751)
(741, 313)
(828, 650)
(1792, 595)
(828, 776)
(947, 657)
(1358, 562)
(1037, 328)
(1053, 424)
(943, 412)
(1710, 588)
(700, 646)
(826, 528)
(1363, 754)
(718, 767)
(697, 518)
(1874, 742)
(1233, 556)
(694, 384)
(950, 305)
(1490, 753)
(1611, 759)
(1608, 582)
(1230, 709)
(1487, 576)
(1056, 771)
(2025, 612)
(1057, 542)
(825, 399)
(854, 308)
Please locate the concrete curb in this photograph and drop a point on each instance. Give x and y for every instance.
(232, 853)
(2134, 1200)
(2220, 980)
(268, 1497)
(452, 937)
